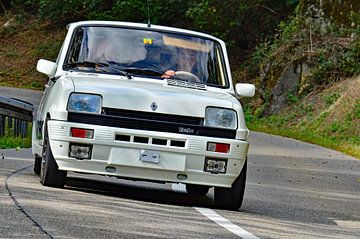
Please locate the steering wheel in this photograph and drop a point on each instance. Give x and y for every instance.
(185, 75)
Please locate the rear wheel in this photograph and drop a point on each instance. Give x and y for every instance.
(37, 165)
(197, 189)
(50, 175)
(231, 198)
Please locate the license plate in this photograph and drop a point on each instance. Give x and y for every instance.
(150, 156)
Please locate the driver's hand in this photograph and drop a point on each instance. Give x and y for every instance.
(168, 74)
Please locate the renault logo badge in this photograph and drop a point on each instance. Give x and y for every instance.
(153, 106)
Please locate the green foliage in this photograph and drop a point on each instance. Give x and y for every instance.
(9, 141)
(292, 97)
(11, 53)
(9, 31)
(288, 28)
(241, 24)
(339, 135)
(36, 85)
(244, 22)
(331, 52)
(247, 113)
(30, 6)
(68, 10)
(335, 126)
(331, 98)
(14, 142)
(161, 11)
(134, 10)
(47, 50)
(306, 108)
(336, 60)
(357, 110)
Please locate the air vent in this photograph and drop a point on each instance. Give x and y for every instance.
(159, 141)
(143, 140)
(186, 84)
(176, 143)
(121, 137)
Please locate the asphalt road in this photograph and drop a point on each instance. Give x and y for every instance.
(294, 190)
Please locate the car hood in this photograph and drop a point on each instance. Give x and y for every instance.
(140, 95)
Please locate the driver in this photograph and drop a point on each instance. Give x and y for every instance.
(185, 60)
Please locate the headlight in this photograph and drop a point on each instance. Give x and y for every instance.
(80, 102)
(221, 118)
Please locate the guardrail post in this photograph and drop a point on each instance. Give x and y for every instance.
(2, 125)
(15, 128)
(10, 122)
(24, 128)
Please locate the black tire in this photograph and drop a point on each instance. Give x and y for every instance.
(199, 190)
(50, 175)
(232, 198)
(37, 165)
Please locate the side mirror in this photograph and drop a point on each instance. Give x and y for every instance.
(245, 90)
(46, 67)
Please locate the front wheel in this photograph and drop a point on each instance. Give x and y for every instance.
(232, 198)
(50, 175)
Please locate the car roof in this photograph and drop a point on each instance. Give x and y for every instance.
(142, 26)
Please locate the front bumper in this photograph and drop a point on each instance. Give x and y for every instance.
(108, 150)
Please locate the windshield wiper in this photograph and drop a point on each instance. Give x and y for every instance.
(149, 71)
(87, 63)
(101, 65)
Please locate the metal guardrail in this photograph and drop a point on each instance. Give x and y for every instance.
(15, 114)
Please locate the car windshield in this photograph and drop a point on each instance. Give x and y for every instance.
(146, 53)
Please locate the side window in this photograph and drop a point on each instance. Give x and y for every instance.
(76, 46)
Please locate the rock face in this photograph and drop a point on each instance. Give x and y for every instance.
(287, 84)
(293, 80)
(291, 68)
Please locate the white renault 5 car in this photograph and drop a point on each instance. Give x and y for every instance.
(143, 102)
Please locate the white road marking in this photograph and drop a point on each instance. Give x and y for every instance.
(212, 215)
(348, 224)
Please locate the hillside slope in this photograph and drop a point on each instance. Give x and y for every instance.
(22, 43)
(329, 117)
(307, 76)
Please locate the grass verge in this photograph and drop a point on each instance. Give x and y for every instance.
(272, 126)
(10, 141)
(309, 137)
(329, 118)
(14, 142)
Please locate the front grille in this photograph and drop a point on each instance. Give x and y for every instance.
(151, 122)
(153, 116)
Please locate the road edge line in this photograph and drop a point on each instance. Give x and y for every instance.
(213, 216)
